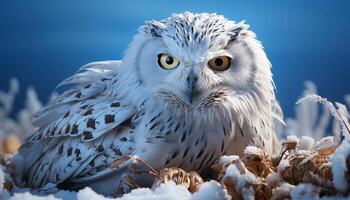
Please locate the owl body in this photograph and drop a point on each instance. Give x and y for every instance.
(185, 115)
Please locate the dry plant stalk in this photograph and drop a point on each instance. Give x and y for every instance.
(310, 167)
(286, 146)
(262, 191)
(8, 185)
(231, 189)
(10, 144)
(179, 176)
(300, 169)
(219, 168)
(260, 188)
(325, 172)
(290, 145)
(195, 181)
(191, 180)
(322, 156)
(258, 162)
(305, 166)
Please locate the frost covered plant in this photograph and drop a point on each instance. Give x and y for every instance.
(312, 121)
(8, 125)
(21, 126)
(245, 178)
(308, 162)
(243, 184)
(305, 172)
(308, 119)
(339, 112)
(257, 161)
(191, 181)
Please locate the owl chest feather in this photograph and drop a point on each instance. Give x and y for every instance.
(186, 139)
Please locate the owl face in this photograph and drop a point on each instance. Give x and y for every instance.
(191, 59)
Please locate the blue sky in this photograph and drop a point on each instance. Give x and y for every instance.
(43, 42)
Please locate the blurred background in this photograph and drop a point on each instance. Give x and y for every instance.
(45, 41)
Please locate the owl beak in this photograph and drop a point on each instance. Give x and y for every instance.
(191, 81)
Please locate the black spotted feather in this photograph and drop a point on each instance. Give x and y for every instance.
(78, 135)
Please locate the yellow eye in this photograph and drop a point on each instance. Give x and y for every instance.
(220, 63)
(167, 61)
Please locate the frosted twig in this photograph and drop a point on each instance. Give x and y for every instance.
(339, 114)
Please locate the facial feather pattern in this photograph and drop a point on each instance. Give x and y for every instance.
(189, 89)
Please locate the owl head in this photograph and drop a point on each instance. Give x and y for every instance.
(198, 60)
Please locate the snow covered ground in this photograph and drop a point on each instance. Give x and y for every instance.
(170, 191)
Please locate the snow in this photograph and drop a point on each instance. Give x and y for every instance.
(208, 190)
(292, 138)
(169, 191)
(303, 143)
(67, 195)
(305, 192)
(29, 196)
(211, 190)
(164, 191)
(227, 159)
(339, 166)
(336, 198)
(274, 179)
(306, 143)
(282, 191)
(88, 193)
(309, 191)
(344, 114)
(282, 165)
(2, 180)
(240, 181)
(253, 150)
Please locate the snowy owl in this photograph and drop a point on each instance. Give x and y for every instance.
(189, 89)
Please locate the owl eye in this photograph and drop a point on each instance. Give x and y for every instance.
(220, 63)
(167, 61)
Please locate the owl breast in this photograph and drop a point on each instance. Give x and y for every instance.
(189, 139)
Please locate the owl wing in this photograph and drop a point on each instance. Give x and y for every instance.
(72, 130)
(84, 110)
